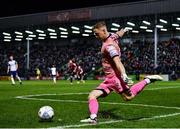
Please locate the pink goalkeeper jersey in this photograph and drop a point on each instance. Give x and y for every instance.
(109, 50)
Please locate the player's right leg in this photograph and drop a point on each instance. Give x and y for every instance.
(19, 79)
(54, 79)
(93, 106)
(12, 79)
(71, 77)
(38, 76)
(129, 94)
(82, 78)
(78, 79)
(154, 78)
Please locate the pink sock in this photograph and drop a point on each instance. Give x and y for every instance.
(93, 106)
(135, 89)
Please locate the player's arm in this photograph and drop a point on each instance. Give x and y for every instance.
(122, 70)
(115, 56)
(8, 68)
(120, 67)
(16, 65)
(81, 71)
(121, 32)
(68, 65)
(75, 68)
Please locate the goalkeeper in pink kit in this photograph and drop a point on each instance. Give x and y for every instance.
(116, 77)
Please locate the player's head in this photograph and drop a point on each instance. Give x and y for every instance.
(100, 30)
(11, 57)
(70, 61)
(73, 60)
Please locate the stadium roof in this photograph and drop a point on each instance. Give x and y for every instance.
(137, 24)
(22, 7)
(140, 17)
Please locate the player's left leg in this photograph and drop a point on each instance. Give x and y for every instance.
(102, 90)
(19, 79)
(12, 79)
(38, 76)
(82, 78)
(93, 106)
(129, 94)
(71, 78)
(78, 78)
(54, 79)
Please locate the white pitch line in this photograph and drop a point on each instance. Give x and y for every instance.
(113, 103)
(143, 105)
(158, 88)
(163, 87)
(81, 93)
(37, 95)
(106, 122)
(116, 121)
(161, 116)
(88, 124)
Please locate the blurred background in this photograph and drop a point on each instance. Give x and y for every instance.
(41, 33)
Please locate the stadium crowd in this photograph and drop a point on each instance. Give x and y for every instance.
(138, 57)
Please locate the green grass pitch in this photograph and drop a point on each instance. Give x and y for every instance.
(158, 106)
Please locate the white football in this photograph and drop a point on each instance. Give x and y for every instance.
(46, 113)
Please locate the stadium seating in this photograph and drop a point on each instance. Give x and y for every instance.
(137, 57)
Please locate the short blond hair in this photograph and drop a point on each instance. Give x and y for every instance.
(99, 25)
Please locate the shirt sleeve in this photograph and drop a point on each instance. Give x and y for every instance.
(116, 35)
(112, 51)
(74, 65)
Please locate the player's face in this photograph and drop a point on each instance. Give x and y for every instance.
(11, 57)
(100, 33)
(70, 61)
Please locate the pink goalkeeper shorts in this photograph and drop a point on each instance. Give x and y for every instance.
(113, 83)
